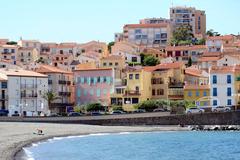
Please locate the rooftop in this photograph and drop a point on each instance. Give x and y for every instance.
(21, 72)
(51, 69)
(160, 25)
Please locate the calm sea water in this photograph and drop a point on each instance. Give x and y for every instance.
(141, 146)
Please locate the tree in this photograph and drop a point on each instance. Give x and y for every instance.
(150, 61)
(110, 44)
(189, 62)
(182, 36)
(201, 41)
(142, 56)
(11, 43)
(40, 60)
(148, 105)
(117, 108)
(212, 33)
(50, 97)
(94, 107)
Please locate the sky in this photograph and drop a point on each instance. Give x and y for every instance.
(85, 20)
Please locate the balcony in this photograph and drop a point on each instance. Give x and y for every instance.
(62, 82)
(176, 85)
(3, 97)
(28, 86)
(132, 93)
(64, 94)
(68, 82)
(23, 95)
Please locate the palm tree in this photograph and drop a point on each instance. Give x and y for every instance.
(50, 97)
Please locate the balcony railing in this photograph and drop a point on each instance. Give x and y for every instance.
(176, 85)
(49, 81)
(62, 82)
(28, 95)
(3, 97)
(64, 94)
(132, 93)
(29, 86)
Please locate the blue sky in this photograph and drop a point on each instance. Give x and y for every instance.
(85, 20)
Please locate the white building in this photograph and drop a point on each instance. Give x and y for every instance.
(25, 90)
(228, 61)
(30, 44)
(222, 82)
(215, 43)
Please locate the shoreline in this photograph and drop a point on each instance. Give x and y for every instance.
(14, 136)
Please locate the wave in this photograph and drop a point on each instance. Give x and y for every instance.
(29, 154)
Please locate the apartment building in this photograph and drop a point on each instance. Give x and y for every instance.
(69, 48)
(25, 90)
(48, 48)
(222, 85)
(148, 35)
(27, 55)
(184, 53)
(93, 85)
(30, 44)
(154, 20)
(188, 16)
(3, 93)
(215, 43)
(9, 53)
(60, 82)
(115, 62)
(94, 48)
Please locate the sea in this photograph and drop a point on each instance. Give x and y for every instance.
(179, 145)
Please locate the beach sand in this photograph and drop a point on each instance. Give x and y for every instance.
(14, 136)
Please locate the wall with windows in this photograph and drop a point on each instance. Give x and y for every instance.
(93, 86)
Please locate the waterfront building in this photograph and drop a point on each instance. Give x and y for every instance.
(93, 85)
(25, 90)
(60, 82)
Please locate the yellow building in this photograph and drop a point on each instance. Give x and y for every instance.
(116, 62)
(199, 94)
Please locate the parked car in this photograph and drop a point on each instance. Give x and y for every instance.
(139, 111)
(74, 114)
(3, 112)
(96, 113)
(54, 115)
(159, 110)
(221, 109)
(193, 110)
(15, 115)
(117, 112)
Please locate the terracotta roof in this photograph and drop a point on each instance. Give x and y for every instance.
(225, 37)
(184, 48)
(208, 59)
(113, 57)
(222, 69)
(26, 48)
(50, 69)
(192, 86)
(174, 65)
(21, 72)
(211, 54)
(146, 25)
(92, 69)
(194, 72)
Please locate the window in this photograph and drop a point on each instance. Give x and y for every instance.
(136, 76)
(116, 63)
(153, 92)
(144, 36)
(85, 92)
(197, 93)
(110, 64)
(98, 93)
(214, 79)
(189, 93)
(229, 79)
(229, 91)
(104, 64)
(70, 51)
(134, 59)
(12, 50)
(215, 102)
(105, 92)
(29, 54)
(138, 37)
(137, 89)
(130, 76)
(134, 100)
(229, 102)
(4, 84)
(78, 92)
(98, 79)
(91, 92)
(157, 36)
(138, 31)
(205, 93)
(214, 91)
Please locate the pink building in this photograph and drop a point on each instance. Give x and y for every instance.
(93, 85)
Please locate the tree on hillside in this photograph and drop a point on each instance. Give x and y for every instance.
(212, 33)
(189, 62)
(110, 44)
(150, 61)
(94, 107)
(50, 97)
(11, 43)
(182, 36)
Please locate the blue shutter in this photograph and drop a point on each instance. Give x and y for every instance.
(78, 92)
